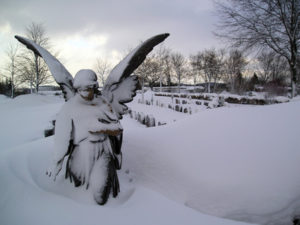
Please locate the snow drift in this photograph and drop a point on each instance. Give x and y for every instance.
(239, 163)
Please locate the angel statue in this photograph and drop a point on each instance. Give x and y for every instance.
(88, 133)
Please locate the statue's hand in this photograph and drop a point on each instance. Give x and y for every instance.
(108, 132)
(54, 170)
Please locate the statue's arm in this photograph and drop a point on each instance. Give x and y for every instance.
(112, 129)
(63, 139)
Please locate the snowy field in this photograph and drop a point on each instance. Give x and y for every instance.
(222, 166)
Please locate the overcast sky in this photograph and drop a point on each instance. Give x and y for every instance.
(81, 31)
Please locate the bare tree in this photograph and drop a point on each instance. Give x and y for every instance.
(196, 64)
(155, 71)
(11, 68)
(209, 63)
(271, 67)
(178, 62)
(190, 72)
(219, 71)
(164, 55)
(34, 70)
(102, 68)
(150, 70)
(235, 64)
(272, 24)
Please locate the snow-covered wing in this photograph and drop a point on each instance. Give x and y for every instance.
(122, 93)
(63, 78)
(119, 87)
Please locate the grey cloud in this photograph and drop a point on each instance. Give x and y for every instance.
(127, 22)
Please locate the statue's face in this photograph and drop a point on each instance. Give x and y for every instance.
(87, 93)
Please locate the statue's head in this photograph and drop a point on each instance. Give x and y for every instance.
(85, 83)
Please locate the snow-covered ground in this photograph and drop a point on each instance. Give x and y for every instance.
(238, 163)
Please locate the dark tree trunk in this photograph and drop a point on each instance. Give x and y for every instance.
(37, 73)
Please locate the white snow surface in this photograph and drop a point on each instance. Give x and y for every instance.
(238, 163)
(3, 99)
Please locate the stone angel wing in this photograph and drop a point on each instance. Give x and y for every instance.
(61, 75)
(120, 87)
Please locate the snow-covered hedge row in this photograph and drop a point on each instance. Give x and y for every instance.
(229, 98)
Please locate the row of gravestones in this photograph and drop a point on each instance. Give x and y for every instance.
(210, 103)
(198, 97)
(214, 103)
(147, 102)
(177, 107)
(221, 102)
(151, 102)
(147, 120)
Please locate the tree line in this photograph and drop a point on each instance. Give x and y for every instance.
(165, 67)
(263, 25)
(209, 68)
(268, 29)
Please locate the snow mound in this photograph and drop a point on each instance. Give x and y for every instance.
(29, 196)
(30, 100)
(238, 163)
(25, 117)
